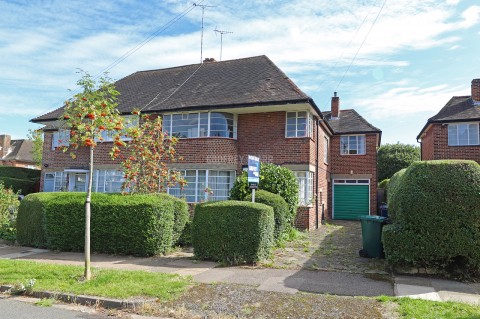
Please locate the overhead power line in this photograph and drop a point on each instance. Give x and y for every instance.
(134, 49)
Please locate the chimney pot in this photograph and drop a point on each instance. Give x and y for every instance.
(335, 111)
(476, 90)
(4, 145)
(209, 60)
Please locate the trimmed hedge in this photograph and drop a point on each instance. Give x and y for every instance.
(392, 192)
(121, 224)
(180, 217)
(233, 232)
(280, 210)
(275, 179)
(19, 172)
(24, 186)
(436, 205)
(384, 183)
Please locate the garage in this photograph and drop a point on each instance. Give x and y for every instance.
(351, 198)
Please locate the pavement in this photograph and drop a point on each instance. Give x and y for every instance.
(268, 279)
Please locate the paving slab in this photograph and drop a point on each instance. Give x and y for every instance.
(412, 280)
(459, 297)
(277, 284)
(417, 292)
(453, 286)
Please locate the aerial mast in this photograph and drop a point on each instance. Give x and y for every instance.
(222, 32)
(203, 6)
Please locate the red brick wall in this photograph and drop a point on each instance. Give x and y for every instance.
(437, 141)
(208, 150)
(306, 219)
(359, 164)
(427, 145)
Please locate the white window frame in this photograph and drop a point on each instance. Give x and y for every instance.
(305, 193)
(362, 151)
(309, 124)
(131, 120)
(58, 176)
(326, 149)
(468, 124)
(200, 194)
(169, 126)
(62, 135)
(100, 183)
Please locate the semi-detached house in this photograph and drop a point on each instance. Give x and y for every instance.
(223, 112)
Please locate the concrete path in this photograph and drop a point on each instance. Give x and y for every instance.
(279, 280)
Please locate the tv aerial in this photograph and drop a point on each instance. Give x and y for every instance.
(222, 32)
(203, 6)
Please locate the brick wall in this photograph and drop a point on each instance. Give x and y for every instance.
(427, 144)
(356, 164)
(437, 141)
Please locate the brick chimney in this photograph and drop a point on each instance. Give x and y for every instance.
(4, 145)
(476, 90)
(209, 60)
(335, 105)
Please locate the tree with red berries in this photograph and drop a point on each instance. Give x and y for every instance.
(90, 115)
(148, 153)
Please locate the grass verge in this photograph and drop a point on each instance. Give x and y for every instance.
(426, 309)
(105, 282)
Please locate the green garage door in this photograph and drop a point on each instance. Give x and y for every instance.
(350, 201)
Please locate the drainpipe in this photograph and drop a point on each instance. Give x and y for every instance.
(316, 176)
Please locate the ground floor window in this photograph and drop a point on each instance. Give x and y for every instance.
(104, 181)
(305, 187)
(203, 185)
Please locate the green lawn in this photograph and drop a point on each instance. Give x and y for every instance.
(105, 282)
(425, 309)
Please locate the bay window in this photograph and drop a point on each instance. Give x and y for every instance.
(299, 124)
(192, 125)
(305, 187)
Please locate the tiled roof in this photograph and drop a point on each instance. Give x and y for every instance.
(21, 151)
(242, 82)
(459, 108)
(350, 122)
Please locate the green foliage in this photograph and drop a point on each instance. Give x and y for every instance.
(186, 236)
(233, 232)
(393, 157)
(30, 220)
(180, 217)
(274, 179)
(8, 213)
(280, 210)
(20, 179)
(384, 183)
(392, 192)
(436, 217)
(136, 224)
(36, 136)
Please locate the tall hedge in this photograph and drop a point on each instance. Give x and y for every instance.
(121, 224)
(437, 216)
(19, 178)
(23, 186)
(233, 232)
(392, 192)
(280, 209)
(181, 215)
(274, 179)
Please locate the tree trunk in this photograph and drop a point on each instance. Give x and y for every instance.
(88, 273)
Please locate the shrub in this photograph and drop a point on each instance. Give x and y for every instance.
(180, 217)
(274, 179)
(19, 172)
(233, 232)
(437, 213)
(392, 192)
(8, 212)
(384, 183)
(23, 186)
(280, 209)
(134, 224)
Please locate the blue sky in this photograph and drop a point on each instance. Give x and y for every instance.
(417, 55)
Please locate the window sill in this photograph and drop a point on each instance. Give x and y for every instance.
(207, 138)
(472, 145)
(353, 154)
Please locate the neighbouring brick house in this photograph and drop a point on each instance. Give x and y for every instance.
(16, 153)
(454, 132)
(224, 111)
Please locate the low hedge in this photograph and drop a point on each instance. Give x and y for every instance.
(121, 224)
(437, 213)
(24, 186)
(233, 232)
(280, 210)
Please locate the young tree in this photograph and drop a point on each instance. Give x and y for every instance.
(36, 136)
(89, 115)
(393, 157)
(149, 151)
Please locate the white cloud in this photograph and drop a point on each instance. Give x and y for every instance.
(471, 17)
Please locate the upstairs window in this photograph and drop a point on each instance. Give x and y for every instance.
(299, 124)
(352, 145)
(191, 125)
(60, 138)
(130, 121)
(463, 134)
(326, 147)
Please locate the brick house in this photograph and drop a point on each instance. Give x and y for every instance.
(453, 133)
(16, 153)
(223, 112)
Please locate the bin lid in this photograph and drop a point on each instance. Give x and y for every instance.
(373, 218)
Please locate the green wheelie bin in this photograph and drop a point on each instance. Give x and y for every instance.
(372, 236)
